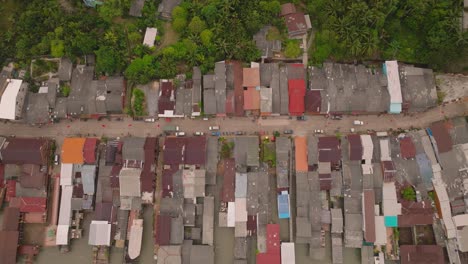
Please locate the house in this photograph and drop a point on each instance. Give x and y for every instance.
(165, 8)
(72, 150)
(390, 69)
(407, 148)
(167, 101)
(273, 252)
(136, 8)
(296, 91)
(417, 88)
(99, 233)
(8, 246)
(196, 91)
(355, 147)
(220, 85)
(439, 132)
(297, 23)
(65, 69)
(39, 105)
(12, 99)
(150, 36)
(368, 204)
(421, 254)
(300, 144)
(288, 253)
(24, 151)
(267, 47)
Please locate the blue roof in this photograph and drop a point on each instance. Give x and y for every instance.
(395, 108)
(425, 169)
(391, 221)
(283, 206)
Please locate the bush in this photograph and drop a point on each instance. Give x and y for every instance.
(138, 102)
(408, 193)
(65, 90)
(226, 149)
(292, 49)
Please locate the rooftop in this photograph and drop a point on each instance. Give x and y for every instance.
(251, 77)
(421, 254)
(72, 150)
(24, 151)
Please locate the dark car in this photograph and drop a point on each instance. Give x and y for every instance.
(289, 131)
(215, 133)
(239, 133)
(336, 117)
(301, 118)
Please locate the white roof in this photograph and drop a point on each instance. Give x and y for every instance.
(66, 174)
(380, 231)
(62, 235)
(394, 87)
(150, 36)
(241, 209)
(136, 234)
(367, 147)
(65, 205)
(391, 207)
(99, 233)
(287, 253)
(8, 100)
(460, 220)
(231, 214)
(446, 211)
(384, 150)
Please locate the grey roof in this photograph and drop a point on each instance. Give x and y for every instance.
(220, 87)
(353, 202)
(353, 230)
(283, 88)
(196, 87)
(241, 185)
(37, 108)
(166, 6)
(170, 255)
(136, 8)
(246, 151)
(337, 183)
(312, 150)
(208, 81)
(367, 255)
(183, 102)
(193, 181)
(111, 91)
(266, 97)
(65, 69)
(459, 132)
(267, 47)
(211, 160)
(240, 248)
(208, 220)
(337, 221)
(275, 87)
(177, 230)
(133, 148)
(418, 88)
(52, 87)
(252, 193)
(337, 249)
(283, 150)
(129, 182)
(88, 176)
(209, 102)
(171, 206)
(151, 91)
(201, 254)
(189, 214)
(347, 86)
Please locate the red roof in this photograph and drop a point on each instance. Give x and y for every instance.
(238, 88)
(441, 136)
(296, 24)
(313, 102)
(265, 258)
(2, 175)
(195, 150)
(369, 215)
(11, 190)
(411, 220)
(8, 246)
(355, 147)
(25, 151)
(407, 148)
(297, 90)
(273, 239)
(89, 150)
(163, 230)
(148, 176)
(174, 150)
(287, 9)
(251, 99)
(29, 204)
(422, 254)
(10, 219)
(227, 193)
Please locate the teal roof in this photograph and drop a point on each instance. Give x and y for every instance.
(391, 221)
(395, 108)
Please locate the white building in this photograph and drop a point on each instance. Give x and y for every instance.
(12, 99)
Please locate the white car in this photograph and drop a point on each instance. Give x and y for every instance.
(358, 123)
(180, 134)
(214, 127)
(205, 119)
(198, 133)
(150, 120)
(318, 131)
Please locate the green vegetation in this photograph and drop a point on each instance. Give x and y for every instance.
(440, 97)
(41, 67)
(292, 49)
(431, 195)
(226, 149)
(268, 152)
(408, 193)
(418, 31)
(65, 90)
(138, 102)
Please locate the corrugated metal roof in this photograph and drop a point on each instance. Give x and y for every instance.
(300, 144)
(288, 255)
(251, 77)
(369, 215)
(29, 204)
(421, 254)
(66, 174)
(393, 76)
(24, 151)
(441, 135)
(174, 148)
(8, 246)
(163, 230)
(88, 176)
(313, 102)
(241, 209)
(367, 147)
(296, 91)
(227, 193)
(407, 148)
(385, 150)
(89, 150)
(129, 182)
(208, 220)
(10, 219)
(195, 150)
(251, 99)
(355, 147)
(8, 101)
(273, 239)
(133, 148)
(99, 233)
(72, 150)
(241, 185)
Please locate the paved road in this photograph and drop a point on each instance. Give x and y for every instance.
(138, 128)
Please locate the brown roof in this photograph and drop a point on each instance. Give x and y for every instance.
(369, 217)
(329, 149)
(251, 99)
(103, 211)
(32, 177)
(407, 148)
(89, 150)
(227, 193)
(355, 147)
(195, 150)
(296, 24)
(313, 102)
(388, 170)
(29, 204)
(238, 89)
(163, 230)
(8, 246)
(251, 77)
(422, 254)
(287, 9)
(25, 151)
(411, 220)
(72, 150)
(325, 181)
(10, 219)
(230, 108)
(441, 136)
(167, 182)
(300, 144)
(174, 150)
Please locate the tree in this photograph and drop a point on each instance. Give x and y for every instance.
(205, 37)
(292, 49)
(108, 60)
(142, 70)
(138, 102)
(408, 193)
(179, 12)
(179, 24)
(57, 48)
(113, 8)
(196, 25)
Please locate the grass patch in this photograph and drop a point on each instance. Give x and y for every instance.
(268, 152)
(226, 149)
(138, 102)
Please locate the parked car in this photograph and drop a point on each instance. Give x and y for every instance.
(214, 127)
(198, 133)
(216, 133)
(288, 132)
(180, 134)
(56, 159)
(301, 118)
(205, 119)
(318, 131)
(150, 120)
(336, 117)
(239, 133)
(358, 123)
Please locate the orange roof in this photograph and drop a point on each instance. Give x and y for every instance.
(251, 77)
(251, 99)
(72, 150)
(301, 154)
